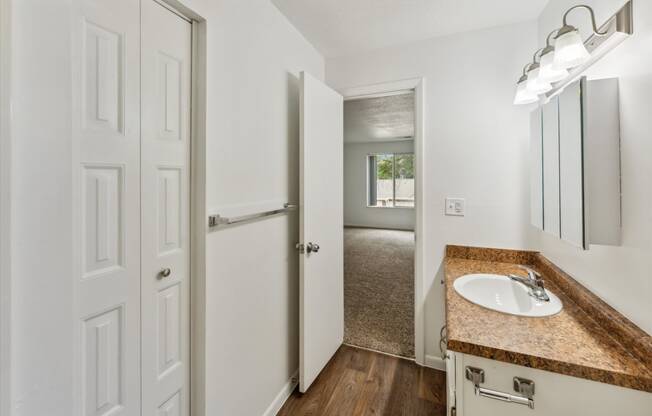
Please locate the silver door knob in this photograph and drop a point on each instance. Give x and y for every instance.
(312, 248)
(165, 272)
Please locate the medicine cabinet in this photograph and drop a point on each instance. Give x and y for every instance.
(575, 164)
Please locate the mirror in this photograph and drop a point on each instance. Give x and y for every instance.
(575, 164)
(550, 142)
(536, 170)
(571, 186)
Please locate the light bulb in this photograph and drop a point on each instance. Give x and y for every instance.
(569, 49)
(523, 95)
(547, 72)
(534, 83)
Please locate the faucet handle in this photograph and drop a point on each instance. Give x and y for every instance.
(533, 274)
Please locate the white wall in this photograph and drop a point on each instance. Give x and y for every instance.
(356, 212)
(476, 141)
(42, 272)
(252, 284)
(254, 57)
(622, 276)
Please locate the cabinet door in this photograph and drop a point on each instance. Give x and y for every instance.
(571, 183)
(550, 122)
(601, 141)
(554, 394)
(536, 170)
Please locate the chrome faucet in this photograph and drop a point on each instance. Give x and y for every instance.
(533, 282)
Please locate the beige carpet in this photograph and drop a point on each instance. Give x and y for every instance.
(379, 290)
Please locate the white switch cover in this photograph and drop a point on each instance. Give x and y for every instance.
(455, 206)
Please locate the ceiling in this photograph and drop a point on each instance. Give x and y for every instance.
(380, 119)
(346, 27)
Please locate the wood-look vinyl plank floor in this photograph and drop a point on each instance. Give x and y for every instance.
(359, 382)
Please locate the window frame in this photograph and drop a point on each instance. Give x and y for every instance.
(368, 174)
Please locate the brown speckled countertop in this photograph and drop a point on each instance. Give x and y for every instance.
(587, 339)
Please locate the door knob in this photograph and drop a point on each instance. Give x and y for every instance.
(165, 272)
(312, 248)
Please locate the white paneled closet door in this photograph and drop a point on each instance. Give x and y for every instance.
(106, 201)
(165, 162)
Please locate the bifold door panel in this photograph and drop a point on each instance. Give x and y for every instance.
(106, 102)
(132, 201)
(166, 62)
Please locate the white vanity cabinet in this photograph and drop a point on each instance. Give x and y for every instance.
(578, 196)
(554, 394)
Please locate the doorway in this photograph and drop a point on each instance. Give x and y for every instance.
(379, 220)
(321, 218)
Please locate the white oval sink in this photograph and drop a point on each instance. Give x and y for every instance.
(502, 294)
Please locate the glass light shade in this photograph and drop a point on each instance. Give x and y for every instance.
(569, 50)
(523, 96)
(534, 83)
(547, 72)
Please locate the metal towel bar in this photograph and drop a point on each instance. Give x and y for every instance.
(521, 385)
(217, 220)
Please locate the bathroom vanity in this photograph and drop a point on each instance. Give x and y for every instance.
(587, 359)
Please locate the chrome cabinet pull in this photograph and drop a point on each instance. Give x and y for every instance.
(165, 272)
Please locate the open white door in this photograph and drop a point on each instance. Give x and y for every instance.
(321, 301)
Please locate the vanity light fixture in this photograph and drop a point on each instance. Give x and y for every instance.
(563, 60)
(546, 71)
(569, 46)
(523, 95)
(535, 84)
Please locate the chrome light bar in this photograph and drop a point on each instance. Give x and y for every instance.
(618, 28)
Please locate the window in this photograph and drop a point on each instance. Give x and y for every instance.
(390, 178)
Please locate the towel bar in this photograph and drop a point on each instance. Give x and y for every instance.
(218, 220)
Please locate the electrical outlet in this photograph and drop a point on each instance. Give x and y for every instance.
(455, 206)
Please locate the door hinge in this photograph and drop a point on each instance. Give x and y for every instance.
(453, 411)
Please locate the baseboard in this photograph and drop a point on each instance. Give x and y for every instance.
(435, 362)
(283, 395)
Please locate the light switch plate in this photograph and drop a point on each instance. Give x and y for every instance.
(455, 206)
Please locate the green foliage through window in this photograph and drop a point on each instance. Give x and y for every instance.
(385, 166)
(391, 180)
(405, 166)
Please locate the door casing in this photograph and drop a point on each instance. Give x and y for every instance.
(384, 89)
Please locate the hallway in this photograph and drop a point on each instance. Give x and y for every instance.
(379, 290)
